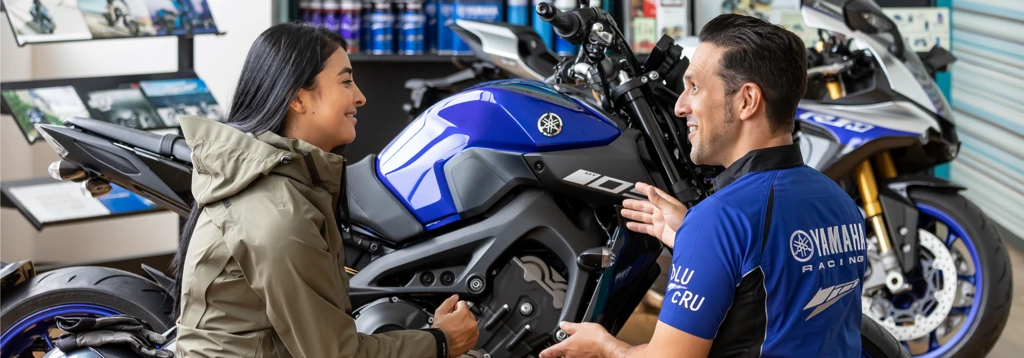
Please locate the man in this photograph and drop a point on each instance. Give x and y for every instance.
(769, 265)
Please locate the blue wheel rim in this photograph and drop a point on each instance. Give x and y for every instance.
(972, 311)
(22, 334)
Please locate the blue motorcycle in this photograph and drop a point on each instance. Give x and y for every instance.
(505, 193)
(874, 120)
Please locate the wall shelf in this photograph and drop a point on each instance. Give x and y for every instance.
(364, 57)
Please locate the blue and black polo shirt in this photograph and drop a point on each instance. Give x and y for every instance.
(771, 264)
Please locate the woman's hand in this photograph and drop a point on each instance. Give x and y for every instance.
(659, 216)
(458, 324)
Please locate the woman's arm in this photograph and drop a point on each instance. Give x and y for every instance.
(286, 261)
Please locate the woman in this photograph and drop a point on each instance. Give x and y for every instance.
(260, 263)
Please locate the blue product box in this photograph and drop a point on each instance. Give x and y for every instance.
(477, 10)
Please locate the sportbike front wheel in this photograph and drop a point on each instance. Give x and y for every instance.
(959, 299)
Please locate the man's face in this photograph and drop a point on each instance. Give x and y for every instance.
(709, 116)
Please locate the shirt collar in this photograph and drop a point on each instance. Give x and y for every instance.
(771, 158)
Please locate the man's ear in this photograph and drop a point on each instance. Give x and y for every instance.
(750, 101)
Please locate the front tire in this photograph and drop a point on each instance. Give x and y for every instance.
(997, 277)
(984, 282)
(28, 309)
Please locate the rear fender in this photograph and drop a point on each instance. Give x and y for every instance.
(15, 273)
(901, 213)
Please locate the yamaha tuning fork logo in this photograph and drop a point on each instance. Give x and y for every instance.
(549, 124)
(801, 246)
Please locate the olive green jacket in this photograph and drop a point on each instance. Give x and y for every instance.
(264, 274)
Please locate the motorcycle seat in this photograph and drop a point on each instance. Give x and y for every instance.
(374, 207)
(168, 145)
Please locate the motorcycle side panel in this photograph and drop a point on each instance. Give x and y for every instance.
(500, 115)
(854, 130)
(600, 176)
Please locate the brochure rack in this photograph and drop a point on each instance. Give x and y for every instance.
(45, 201)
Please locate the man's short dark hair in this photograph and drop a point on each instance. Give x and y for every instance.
(765, 54)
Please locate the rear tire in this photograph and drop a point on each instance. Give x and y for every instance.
(876, 342)
(115, 289)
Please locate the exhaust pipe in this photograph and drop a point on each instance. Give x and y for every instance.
(64, 170)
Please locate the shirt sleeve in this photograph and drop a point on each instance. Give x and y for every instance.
(706, 265)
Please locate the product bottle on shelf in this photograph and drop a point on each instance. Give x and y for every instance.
(562, 47)
(365, 31)
(332, 20)
(411, 22)
(445, 35)
(305, 13)
(383, 26)
(316, 9)
(546, 32)
(518, 12)
(476, 10)
(430, 27)
(351, 24)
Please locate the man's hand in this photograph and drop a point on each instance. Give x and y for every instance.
(458, 324)
(586, 340)
(659, 216)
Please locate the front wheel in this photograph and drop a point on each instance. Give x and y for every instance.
(960, 298)
(27, 311)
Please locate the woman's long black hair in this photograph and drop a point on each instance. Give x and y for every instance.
(283, 59)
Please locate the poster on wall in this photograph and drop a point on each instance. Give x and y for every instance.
(921, 27)
(644, 20)
(49, 105)
(173, 98)
(117, 18)
(181, 17)
(124, 107)
(673, 19)
(46, 21)
(793, 20)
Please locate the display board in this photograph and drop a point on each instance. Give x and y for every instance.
(50, 105)
(46, 201)
(41, 21)
(147, 105)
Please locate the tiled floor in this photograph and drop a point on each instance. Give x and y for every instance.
(640, 326)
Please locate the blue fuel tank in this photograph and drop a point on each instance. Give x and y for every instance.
(519, 116)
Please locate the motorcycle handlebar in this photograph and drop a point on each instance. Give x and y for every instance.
(566, 25)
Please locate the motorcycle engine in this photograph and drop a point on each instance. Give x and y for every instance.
(516, 319)
(520, 315)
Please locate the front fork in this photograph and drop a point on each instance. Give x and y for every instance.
(865, 179)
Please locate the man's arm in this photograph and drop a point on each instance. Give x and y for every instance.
(706, 266)
(592, 340)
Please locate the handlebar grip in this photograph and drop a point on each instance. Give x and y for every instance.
(566, 25)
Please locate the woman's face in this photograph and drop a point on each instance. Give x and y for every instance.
(326, 115)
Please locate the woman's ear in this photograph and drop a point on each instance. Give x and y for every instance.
(297, 104)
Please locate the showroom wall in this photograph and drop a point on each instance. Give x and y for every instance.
(218, 61)
(988, 84)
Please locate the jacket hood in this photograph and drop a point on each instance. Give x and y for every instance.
(225, 160)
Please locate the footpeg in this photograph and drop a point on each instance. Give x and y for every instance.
(519, 337)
